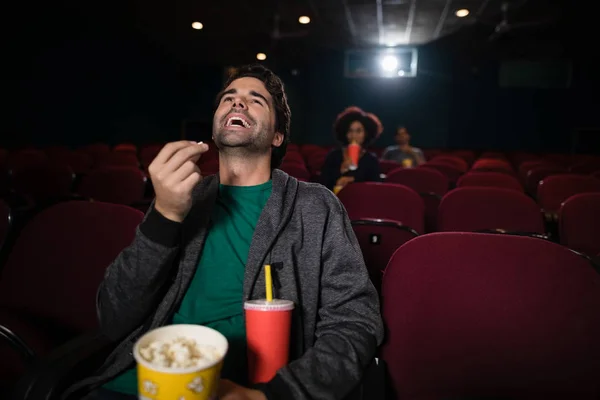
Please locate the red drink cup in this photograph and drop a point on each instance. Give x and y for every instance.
(268, 337)
(354, 154)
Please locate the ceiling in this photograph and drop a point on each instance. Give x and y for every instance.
(236, 30)
(239, 29)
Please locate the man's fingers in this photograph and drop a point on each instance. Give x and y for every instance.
(179, 175)
(192, 152)
(189, 183)
(169, 150)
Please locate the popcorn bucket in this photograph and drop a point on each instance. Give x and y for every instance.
(198, 382)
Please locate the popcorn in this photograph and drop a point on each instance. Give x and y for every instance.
(180, 352)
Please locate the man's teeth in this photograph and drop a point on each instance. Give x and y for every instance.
(243, 122)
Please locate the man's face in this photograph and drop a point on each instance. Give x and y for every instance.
(402, 137)
(245, 117)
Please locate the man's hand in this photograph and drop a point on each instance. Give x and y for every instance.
(174, 175)
(231, 391)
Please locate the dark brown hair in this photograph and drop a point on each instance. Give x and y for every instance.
(274, 86)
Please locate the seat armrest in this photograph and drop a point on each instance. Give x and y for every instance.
(48, 376)
(16, 343)
(373, 384)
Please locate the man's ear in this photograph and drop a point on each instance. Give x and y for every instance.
(277, 139)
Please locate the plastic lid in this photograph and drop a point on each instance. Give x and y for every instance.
(264, 305)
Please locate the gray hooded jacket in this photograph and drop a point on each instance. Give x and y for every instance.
(305, 234)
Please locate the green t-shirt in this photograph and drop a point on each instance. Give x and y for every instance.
(215, 295)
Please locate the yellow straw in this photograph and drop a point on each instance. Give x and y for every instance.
(268, 283)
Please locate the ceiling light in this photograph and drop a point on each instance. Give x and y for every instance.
(261, 56)
(304, 20)
(463, 12)
(197, 25)
(389, 63)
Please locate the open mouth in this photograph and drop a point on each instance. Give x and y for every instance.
(237, 120)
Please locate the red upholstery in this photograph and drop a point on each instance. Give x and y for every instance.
(467, 155)
(309, 150)
(450, 172)
(527, 166)
(385, 201)
(489, 179)
(315, 161)
(44, 182)
(379, 239)
(470, 209)
(57, 152)
(119, 185)
(118, 159)
(553, 190)
(429, 183)
(148, 153)
(579, 223)
(452, 160)
(537, 174)
(96, 150)
(80, 162)
(493, 165)
(586, 167)
(292, 156)
(495, 316)
(26, 158)
(5, 222)
(56, 265)
(297, 171)
(387, 166)
(127, 147)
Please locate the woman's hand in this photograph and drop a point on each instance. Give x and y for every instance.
(344, 180)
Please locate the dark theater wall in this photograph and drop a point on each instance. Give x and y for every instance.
(104, 86)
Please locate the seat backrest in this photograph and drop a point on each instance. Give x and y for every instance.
(449, 171)
(586, 167)
(555, 189)
(298, 171)
(59, 259)
(494, 316)
(489, 179)
(470, 209)
(453, 160)
(421, 180)
(379, 239)
(387, 166)
(5, 222)
(46, 181)
(537, 174)
(579, 223)
(118, 159)
(385, 201)
(119, 185)
(493, 165)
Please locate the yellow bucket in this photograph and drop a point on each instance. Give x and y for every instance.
(193, 383)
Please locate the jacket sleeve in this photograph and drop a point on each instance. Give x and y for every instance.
(330, 172)
(349, 329)
(134, 282)
(374, 173)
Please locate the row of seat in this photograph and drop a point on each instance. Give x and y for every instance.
(466, 314)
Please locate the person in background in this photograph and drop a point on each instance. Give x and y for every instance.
(403, 152)
(353, 125)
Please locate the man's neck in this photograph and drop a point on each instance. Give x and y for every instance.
(244, 171)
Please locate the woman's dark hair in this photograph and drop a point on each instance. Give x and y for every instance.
(372, 124)
(274, 86)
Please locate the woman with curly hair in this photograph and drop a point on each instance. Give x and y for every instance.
(352, 126)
